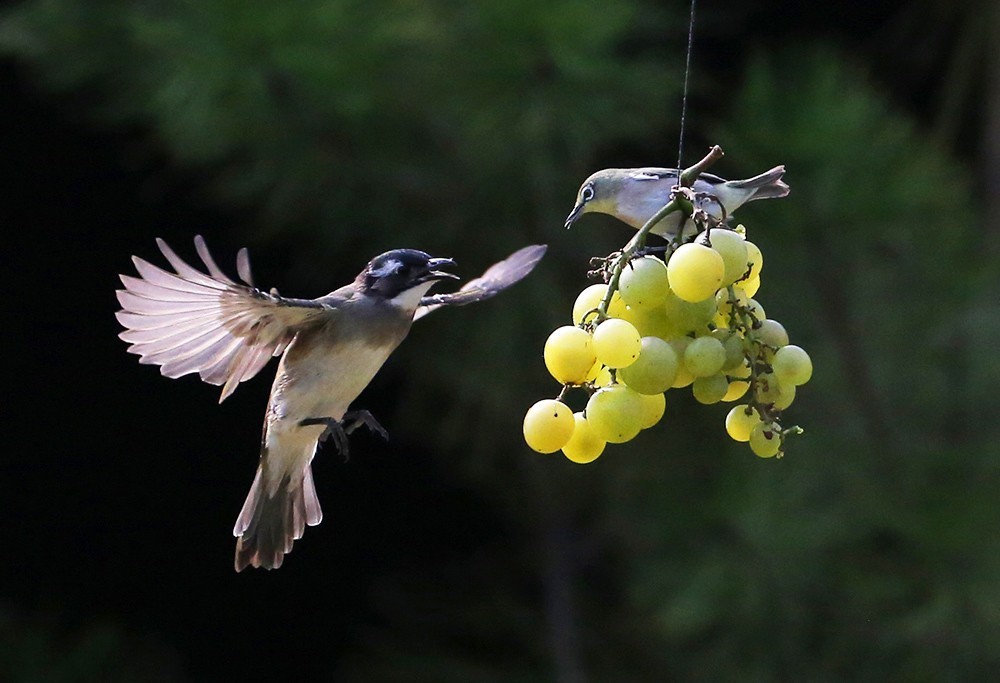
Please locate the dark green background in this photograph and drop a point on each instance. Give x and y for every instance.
(320, 133)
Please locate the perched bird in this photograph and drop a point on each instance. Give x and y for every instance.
(330, 349)
(633, 195)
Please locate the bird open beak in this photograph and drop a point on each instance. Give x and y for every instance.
(573, 215)
(434, 274)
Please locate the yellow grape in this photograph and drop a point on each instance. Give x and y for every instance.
(655, 370)
(738, 384)
(733, 250)
(740, 421)
(765, 440)
(569, 354)
(653, 407)
(695, 272)
(599, 375)
(643, 283)
(749, 286)
(548, 425)
(614, 413)
(792, 365)
(585, 445)
(588, 300)
(617, 343)
(755, 258)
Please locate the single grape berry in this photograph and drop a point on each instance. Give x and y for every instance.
(765, 440)
(615, 413)
(792, 365)
(695, 272)
(588, 300)
(643, 283)
(740, 421)
(569, 354)
(548, 425)
(585, 445)
(655, 370)
(704, 356)
(617, 343)
(733, 250)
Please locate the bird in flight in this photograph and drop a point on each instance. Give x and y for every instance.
(189, 321)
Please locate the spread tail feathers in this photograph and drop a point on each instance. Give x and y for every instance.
(767, 185)
(272, 520)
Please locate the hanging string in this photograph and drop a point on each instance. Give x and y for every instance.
(684, 99)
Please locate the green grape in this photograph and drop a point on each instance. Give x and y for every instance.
(772, 333)
(732, 342)
(733, 250)
(685, 316)
(651, 322)
(768, 388)
(589, 299)
(765, 440)
(709, 390)
(749, 286)
(792, 365)
(740, 421)
(695, 272)
(704, 356)
(643, 283)
(569, 354)
(584, 446)
(615, 413)
(548, 425)
(617, 343)
(684, 376)
(652, 409)
(756, 260)
(754, 308)
(786, 394)
(655, 370)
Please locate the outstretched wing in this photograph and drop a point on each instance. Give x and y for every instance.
(189, 321)
(497, 278)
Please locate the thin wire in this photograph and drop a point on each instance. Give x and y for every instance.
(684, 100)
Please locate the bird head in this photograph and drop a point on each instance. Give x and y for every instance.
(399, 271)
(599, 193)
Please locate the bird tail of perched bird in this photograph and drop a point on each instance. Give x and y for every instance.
(273, 517)
(767, 185)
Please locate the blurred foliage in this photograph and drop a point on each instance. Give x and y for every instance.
(868, 553)
(40, 649)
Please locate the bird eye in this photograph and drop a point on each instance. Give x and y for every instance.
(587, 193)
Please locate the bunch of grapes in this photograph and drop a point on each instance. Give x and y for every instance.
(688, 320)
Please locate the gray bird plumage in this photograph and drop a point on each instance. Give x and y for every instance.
(330, 347)
(633, 195)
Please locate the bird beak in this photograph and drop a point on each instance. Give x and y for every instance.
(434, 274)
(573, 215)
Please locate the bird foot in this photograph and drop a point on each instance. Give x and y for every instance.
(338, 430)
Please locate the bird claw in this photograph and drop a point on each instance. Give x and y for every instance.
(358, 418)
(338, 430)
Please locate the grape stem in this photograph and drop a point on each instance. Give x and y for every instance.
(678, 202)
